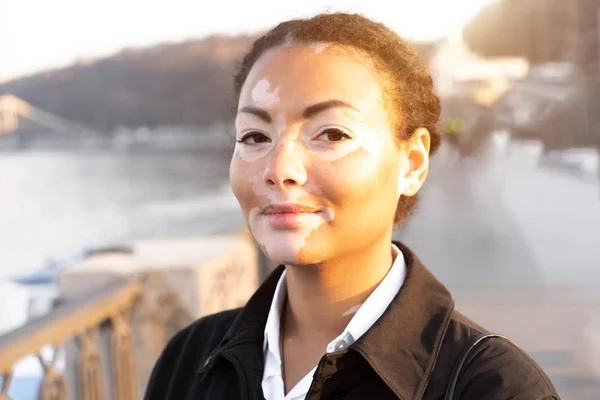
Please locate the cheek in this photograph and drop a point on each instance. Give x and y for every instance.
(242, 177)
(358, 181)
(349, 173)
(246, 179)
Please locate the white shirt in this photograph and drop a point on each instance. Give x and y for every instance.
(368, 313)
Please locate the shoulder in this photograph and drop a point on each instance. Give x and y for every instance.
(497, 368)
(200, 337)
(186, 352)
(210, 330)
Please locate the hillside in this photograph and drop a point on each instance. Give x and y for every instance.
(187, 83)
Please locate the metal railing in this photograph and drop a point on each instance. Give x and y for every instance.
(99, 334)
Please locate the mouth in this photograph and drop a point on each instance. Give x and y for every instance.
(289, 215)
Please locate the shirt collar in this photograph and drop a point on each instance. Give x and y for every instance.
(368, 313)
(377, 302)
(273, 325)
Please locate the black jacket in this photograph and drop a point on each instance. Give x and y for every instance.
(408, 354)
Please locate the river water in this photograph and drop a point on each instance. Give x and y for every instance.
(56, 204)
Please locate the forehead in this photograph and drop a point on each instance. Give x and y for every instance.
(307, 74)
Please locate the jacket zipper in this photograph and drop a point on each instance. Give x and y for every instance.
(312, 388)
(241, 375)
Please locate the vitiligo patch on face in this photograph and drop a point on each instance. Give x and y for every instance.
(370, 141)
(247, 156)
(289, 39)
(280, 124)
(262, 96)
(365, 138)
(319, 46)
(284, 246)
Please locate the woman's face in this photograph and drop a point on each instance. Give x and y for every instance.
(316, 168)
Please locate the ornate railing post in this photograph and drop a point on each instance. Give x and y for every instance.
(90, 367)
(123, 358)
(53, 386)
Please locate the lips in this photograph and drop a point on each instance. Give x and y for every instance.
(289, 216)
(289, 208)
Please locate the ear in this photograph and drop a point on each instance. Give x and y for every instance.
(416, 151)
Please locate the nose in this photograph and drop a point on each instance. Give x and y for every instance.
(286, 168)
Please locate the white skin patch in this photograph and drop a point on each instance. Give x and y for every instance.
(365, 138)
(240, 150)
(319, 46)
(247, 157)
(288, 40)
(262, 96)
(280, 124)
(286, 244)
(370, 141)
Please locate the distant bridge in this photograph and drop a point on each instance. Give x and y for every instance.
(12, 108)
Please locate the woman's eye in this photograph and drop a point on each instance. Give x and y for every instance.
(254, 138)
(335, 135)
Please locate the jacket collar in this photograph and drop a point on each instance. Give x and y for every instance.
(402, 346)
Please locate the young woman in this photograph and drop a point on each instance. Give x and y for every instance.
(336, 122)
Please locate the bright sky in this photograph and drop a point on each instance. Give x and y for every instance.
(40, 34)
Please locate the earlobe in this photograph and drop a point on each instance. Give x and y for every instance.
(410, 185)
(401, 185)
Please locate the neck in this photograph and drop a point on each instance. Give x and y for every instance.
(323, 298)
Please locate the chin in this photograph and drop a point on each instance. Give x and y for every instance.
(288, 249)
(281, 253)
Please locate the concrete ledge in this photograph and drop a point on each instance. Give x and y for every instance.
(209, 274)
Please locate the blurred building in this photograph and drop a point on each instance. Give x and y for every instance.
(539, 30)
(456, 69)
(560, 40)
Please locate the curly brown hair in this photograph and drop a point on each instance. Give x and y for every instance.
(408, 88)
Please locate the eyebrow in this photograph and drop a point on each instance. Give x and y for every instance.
(309, 112)
(326, 105)
(259, 112)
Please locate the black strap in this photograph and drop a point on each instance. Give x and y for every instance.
(459, 364)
